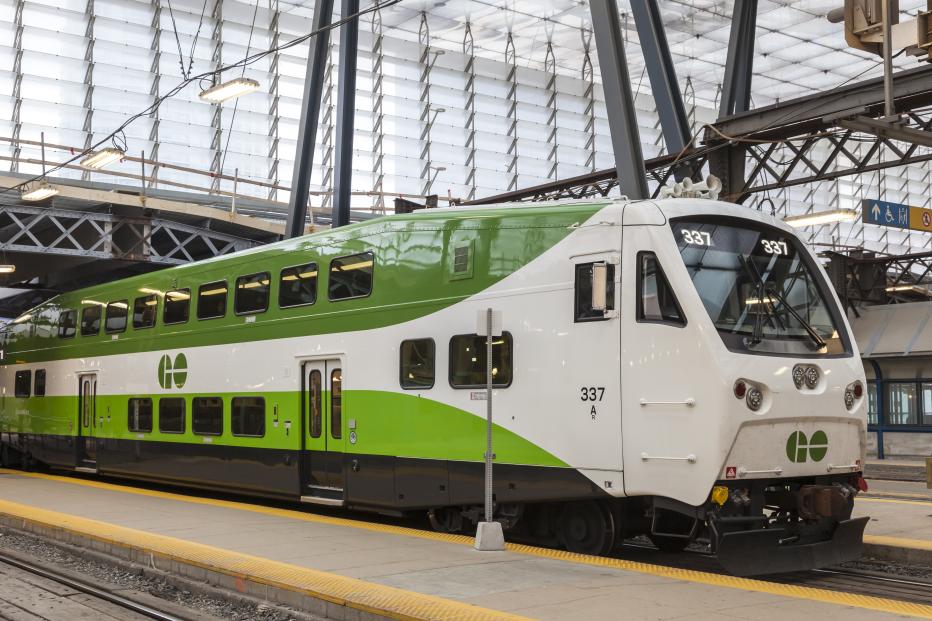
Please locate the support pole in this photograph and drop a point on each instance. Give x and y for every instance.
(739, 64)
(674, 122)
(888, 58)
(728, 164)
(619, 102)
(310, 113)
(346, 112)
(489, 535)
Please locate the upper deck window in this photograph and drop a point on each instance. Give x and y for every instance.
(116, 316)
(177, 306)
(252, 293)
(90, 320)
(760, 287)
(145, 310)
(212, 300)
(67, 324)
(351, 277)
(298, 285)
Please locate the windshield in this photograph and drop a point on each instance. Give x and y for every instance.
(759, 287)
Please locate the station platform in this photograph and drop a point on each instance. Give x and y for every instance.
(344, 568)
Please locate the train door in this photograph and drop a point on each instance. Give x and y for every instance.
(87, 423)
(322, 475)
(665, 396)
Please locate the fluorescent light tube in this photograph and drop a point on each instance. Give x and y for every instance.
(228, 90)
(821, 217)
(104, 157)
(39, 191)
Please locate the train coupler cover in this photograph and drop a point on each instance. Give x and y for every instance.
(774, 550)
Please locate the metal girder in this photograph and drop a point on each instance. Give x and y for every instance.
(310, 113)
(346, 114)
(794, 142)
(893, 130)
(739, 64)
(863, 277)
(670, 109)
(51, 231)
(619, 101)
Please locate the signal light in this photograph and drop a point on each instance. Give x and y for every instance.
(740, 389)
(719, 495)
(755, 399)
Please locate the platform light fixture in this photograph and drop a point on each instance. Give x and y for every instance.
(910, 288)
(38, 191)
(102, 158)
(7, 269)
(230, 89)
(821, 217)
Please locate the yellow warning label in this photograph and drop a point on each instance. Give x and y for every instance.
(920, 218)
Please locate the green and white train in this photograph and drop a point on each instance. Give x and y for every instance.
(677, 368)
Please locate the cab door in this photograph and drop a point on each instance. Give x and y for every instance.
(87, 423)
(322, 468)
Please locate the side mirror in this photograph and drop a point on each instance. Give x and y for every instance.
(599, 286)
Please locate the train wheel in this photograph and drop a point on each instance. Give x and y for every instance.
(587, 527)
(446, 520)
(666, 543)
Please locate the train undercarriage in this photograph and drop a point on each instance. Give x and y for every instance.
(752, 527)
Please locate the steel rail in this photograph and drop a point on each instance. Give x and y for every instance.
(78, 585)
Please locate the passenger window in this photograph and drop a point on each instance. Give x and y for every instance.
(67, 324)
(23, 384)
(252, 294)
(171, 415)
(656, 301)
(468, 361)
(315, 403)
(90, 321)
(207, 416)
(39, 386)
(139, 415)
(584, 310)
(177, 306)
(336, 404)
(144, 311)
(298, 285)
(247, 416)
(351, 277)
(116, 317)
(417, 364)
(212, 300)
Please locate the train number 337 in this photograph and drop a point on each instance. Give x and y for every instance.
(591, 393)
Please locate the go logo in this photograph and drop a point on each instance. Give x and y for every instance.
(799, 448)
(173, 373)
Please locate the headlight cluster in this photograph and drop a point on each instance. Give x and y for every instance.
(806, 375)
(853, 393)
(752, 395)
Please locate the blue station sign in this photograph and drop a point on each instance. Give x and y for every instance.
(883, 213)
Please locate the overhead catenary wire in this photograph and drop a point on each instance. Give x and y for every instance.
(243, 62)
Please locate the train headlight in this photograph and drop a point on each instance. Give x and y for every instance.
(754, 398)
(799, 375)
(849, 398)
(812, 377)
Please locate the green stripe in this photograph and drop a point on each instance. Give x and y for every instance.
(412, 279)
(387, 423)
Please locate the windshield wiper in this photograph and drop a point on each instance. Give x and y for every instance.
(765, 290)
(760, 286)
(816, 339)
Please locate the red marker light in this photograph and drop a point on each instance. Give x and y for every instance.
(862, 484)
(740, 389)
(858, 389)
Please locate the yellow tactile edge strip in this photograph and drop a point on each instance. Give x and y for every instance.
(375, 599)
(746, 584)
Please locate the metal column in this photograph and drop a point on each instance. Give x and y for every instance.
(729, 164)
(346, 112)
(310, 112)
(674, 122)
(736, 90)
(274, 97)
(216, 114)
(619, 102)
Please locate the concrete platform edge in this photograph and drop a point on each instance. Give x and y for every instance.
(898, 554)
(340, 607)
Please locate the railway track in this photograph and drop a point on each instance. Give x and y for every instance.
(99, 593)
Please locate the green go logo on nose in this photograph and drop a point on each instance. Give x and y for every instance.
(173, 373)
(799, 448)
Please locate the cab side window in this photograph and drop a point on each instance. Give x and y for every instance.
(584, 309)
(656, 301)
